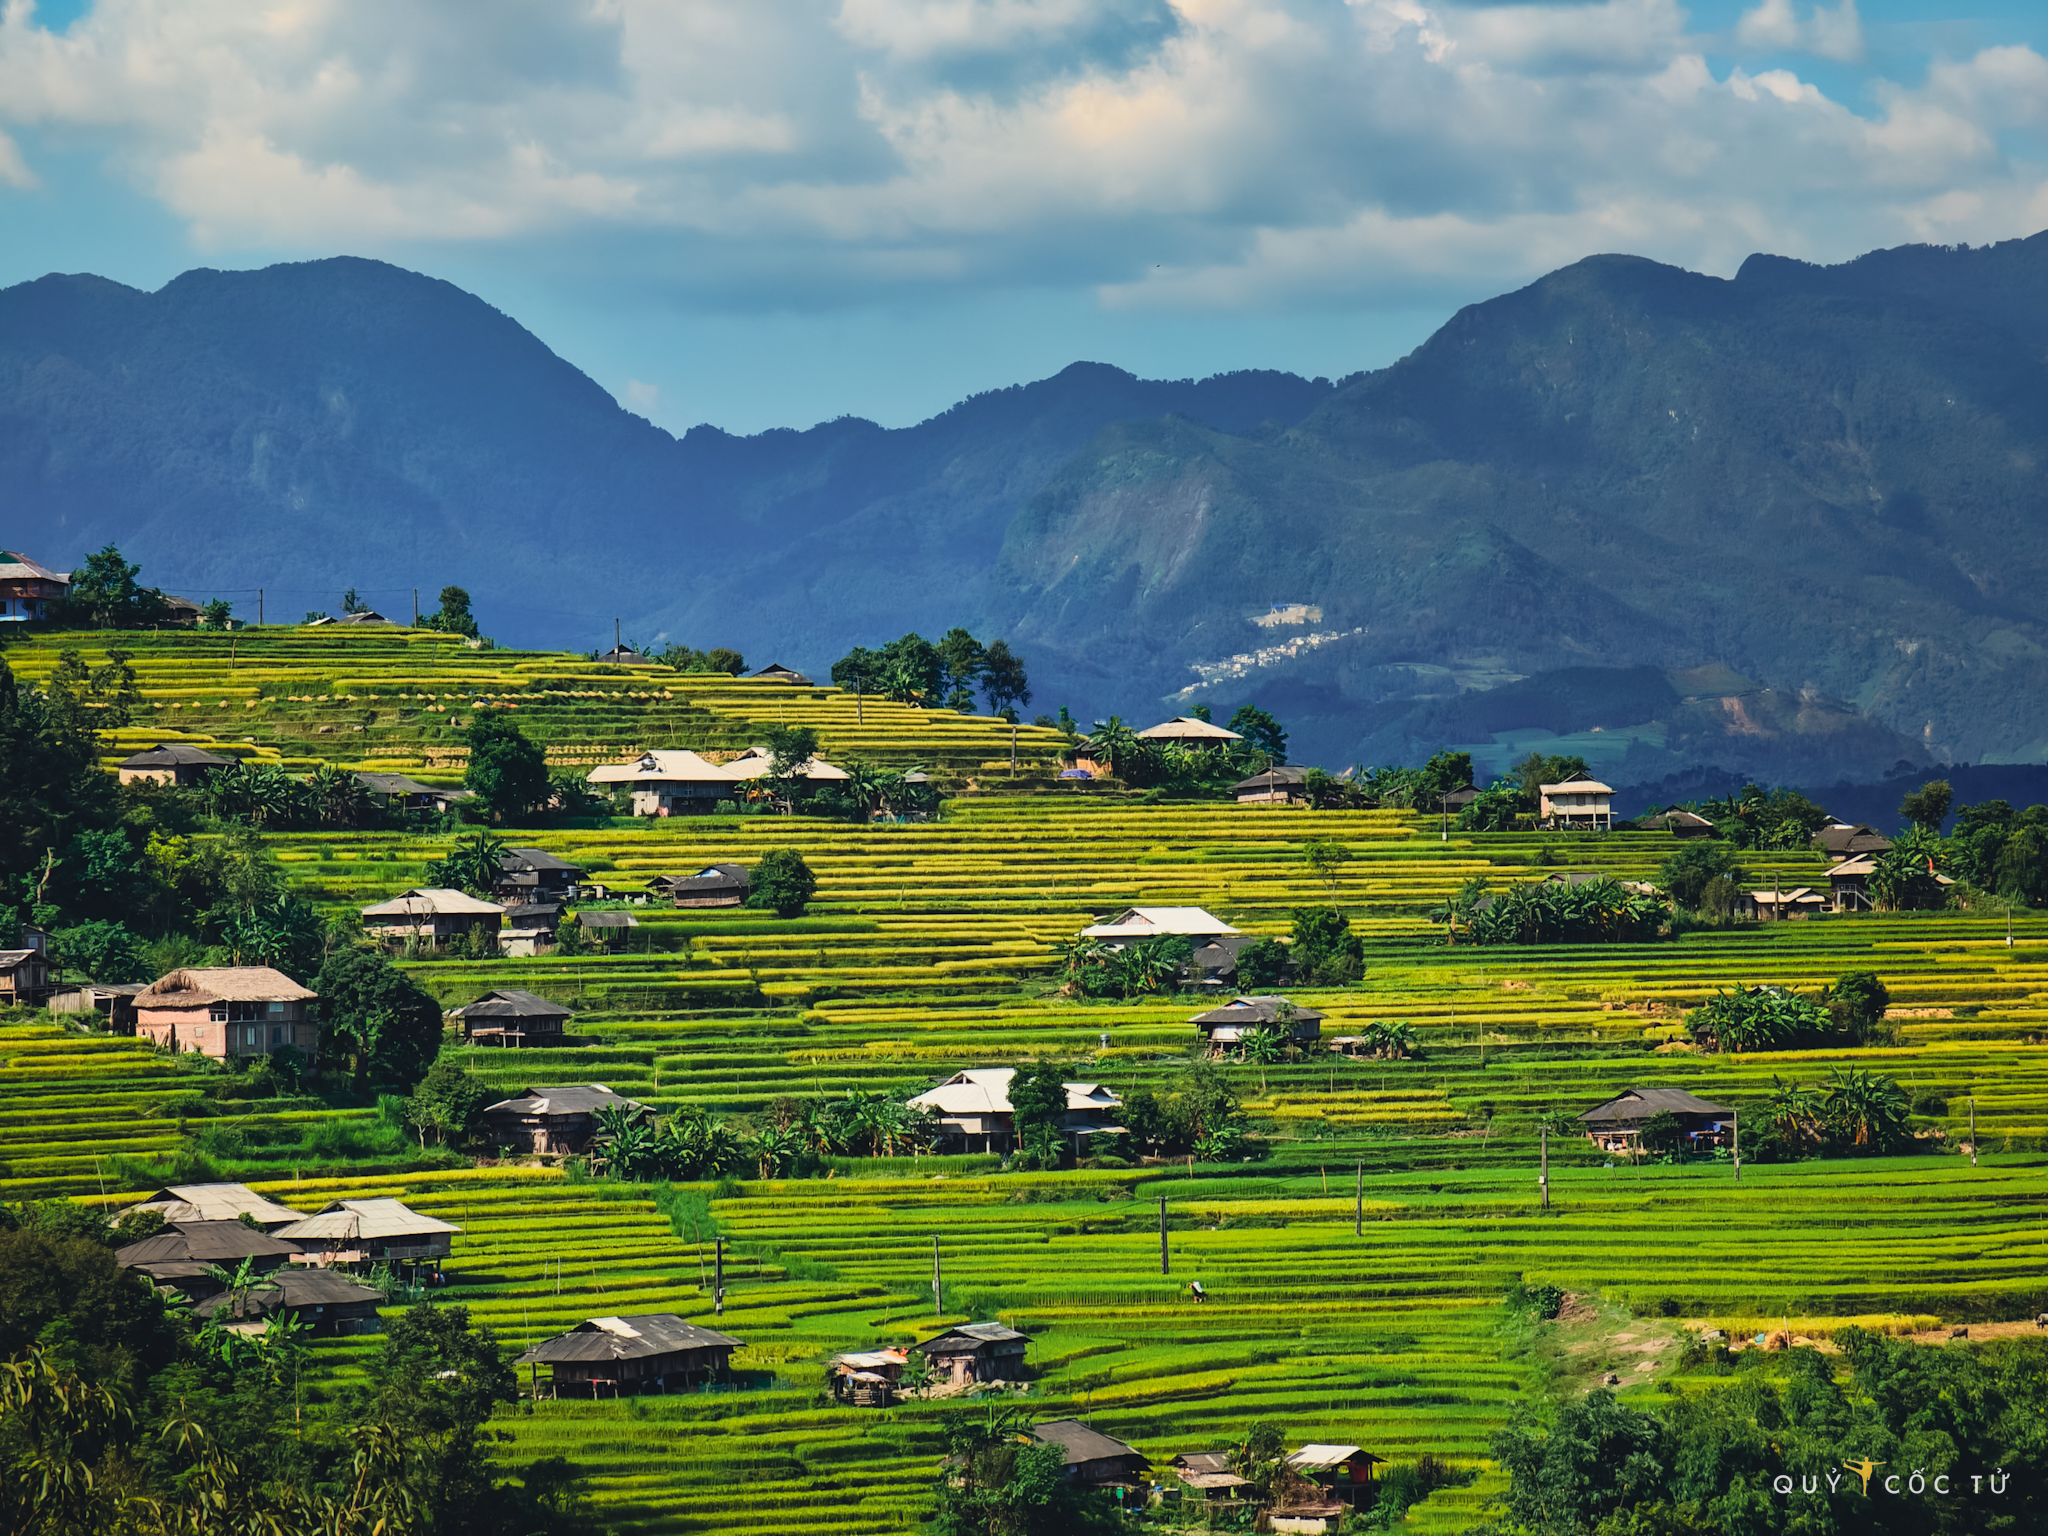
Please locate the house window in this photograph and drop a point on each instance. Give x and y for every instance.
(277, 1034)
(249, 1034)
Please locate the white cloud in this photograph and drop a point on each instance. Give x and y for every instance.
(641, 397)
(1214, 152)
(1828, 34)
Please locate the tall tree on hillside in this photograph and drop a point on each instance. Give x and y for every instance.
(1260, 731)
(454, 617)
(1003, 681)
(508, 772)
(105, 594)
(380, 1025)
(860, 670)
(1537, 769)
(912, 671)
(963, 659)
(1927, 806)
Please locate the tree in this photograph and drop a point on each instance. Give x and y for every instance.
(453, 617)
(1687, 873)
(781, 883)
(103, 951)
(1907, 875)
(791, 749)
(450, 1103)
(283, 933)
(1326, 859)
(1261, 732)
(379, 1021)
(1927, 806)
(1038, 1101)
(1856, 1003)
(1260, 965)
(508, 772)
(1325, 951)
(1536, 770)
(1866, 1109)
(963, 660)
(473, 866)
(70, 1291)
(216, 613)
(912, 671)
(1446, 771)
(1117, 744)
(1661, 1132)
(1766, 1018)
(999, 1481)
(1596, 1458)
(105, 594)
(1003, 681)
(859, 669)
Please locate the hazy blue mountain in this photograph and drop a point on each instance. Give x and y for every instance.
(1791, 523)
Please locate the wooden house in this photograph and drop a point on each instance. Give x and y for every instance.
(1207, 1476)
(533, 874)
(1282, 784)
(1135, 924)
(1849, 884)
(1227, 1026)
(228, 1012)
(113, 1001)
(975, 1352)
(1577, 804)
(27, 589)
(511, 1017)
(715, 885)
(396, 791)
(433, 915)
(613, 1355)
(1213, 965)
(756, 762)
(172, 763)
(182, 1203)
(530, 928)
(1458, 799)
(326, 1303)
(24, 978)
(1189, 731)
(1617, 1125)
(868, 1378)
(607, 930)
(974, 1107)
(552, 1120)
(1778, 905)
(367, 1231)
(776, 672)
(1343, 1473)
(626, 656)
(184, 1255)
(1845, 840)
(675, 782)
(1091, 1456)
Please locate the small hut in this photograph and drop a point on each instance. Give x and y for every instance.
(976, 1352)
(509, 1016)
(614, 1355)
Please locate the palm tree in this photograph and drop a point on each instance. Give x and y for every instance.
(337, 797)
(866, 786)
(1119, 744)
(469, 866)
(774, 1148)
(1867, 1108)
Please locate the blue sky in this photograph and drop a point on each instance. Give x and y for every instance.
(772, 214)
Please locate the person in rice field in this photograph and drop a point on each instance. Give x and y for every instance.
(1196, 1287)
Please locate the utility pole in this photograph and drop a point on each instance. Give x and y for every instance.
(259, 612)
(1013, 774)
(1735, 1142)
(938, 1283)
(1543, 1169)
(415, 607)
(1164, 1267)
(1973, 1130)
(718, 1276)
(1358, 1207)
(617, 644)
(859, 715)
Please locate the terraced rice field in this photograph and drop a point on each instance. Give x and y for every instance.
(928, 950)
(393, 700)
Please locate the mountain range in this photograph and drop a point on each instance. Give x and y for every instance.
(1790, 524)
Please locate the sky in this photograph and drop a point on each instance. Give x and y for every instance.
(761, 213)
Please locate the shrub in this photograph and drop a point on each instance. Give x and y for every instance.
(781, 883)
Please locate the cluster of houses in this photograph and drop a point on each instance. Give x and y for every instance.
(677, 782)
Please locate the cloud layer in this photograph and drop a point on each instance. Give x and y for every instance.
(1184, 153)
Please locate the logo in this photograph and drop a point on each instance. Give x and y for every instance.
(1863, 1469)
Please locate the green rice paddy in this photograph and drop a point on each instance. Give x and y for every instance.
(929, 949)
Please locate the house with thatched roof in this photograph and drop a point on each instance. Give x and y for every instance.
(182, 1203)
(228, 1012)
(671, 782)
(1189, 731)
(1135, 924)
(974, 1107)
(433, 915)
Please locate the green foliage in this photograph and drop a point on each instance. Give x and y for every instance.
(1038, 1098)
(1261, 965)
(1541, 1302)
(998, 1481)
(1592, 912)
(1907, 875)
(1326, 860)
(507, 772)
(781, 883)
(1538, 769)
(471, 865)
(1261, 732)
(379, 1024)
(65, 1290)
(719, 659)
(1003, 680)
(1751, 818)
(1499, 808)
(1763, 1018)
(51, 788)
(1197, 1111)
(1856, 1005)
(1143, 968)
(449, 1105)
(1927, 806)
(1324, 950)
(104, 951)
(1445, 772)
(1695, 865)
(104, 594)
(453, 617)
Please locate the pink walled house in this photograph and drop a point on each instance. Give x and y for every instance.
(228, 1012)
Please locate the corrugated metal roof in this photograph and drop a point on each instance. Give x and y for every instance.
(1244, 1011)
(1153, 922)
(626, 1338)
(1320, 1458)
(986, 1091)
(1083, 1444)
(174, 754)
(574, 1099)
(1641, 1103)
(1187, 728)
(426, 900)
(296, 1288)
(204, 1242)
(511, 1003)
(181, 1203)
(533, 858)
(365, 1219)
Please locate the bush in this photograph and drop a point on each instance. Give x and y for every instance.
(1541, 1302)
(781, 883)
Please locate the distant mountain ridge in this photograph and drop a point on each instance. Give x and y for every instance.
(1825, 482)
